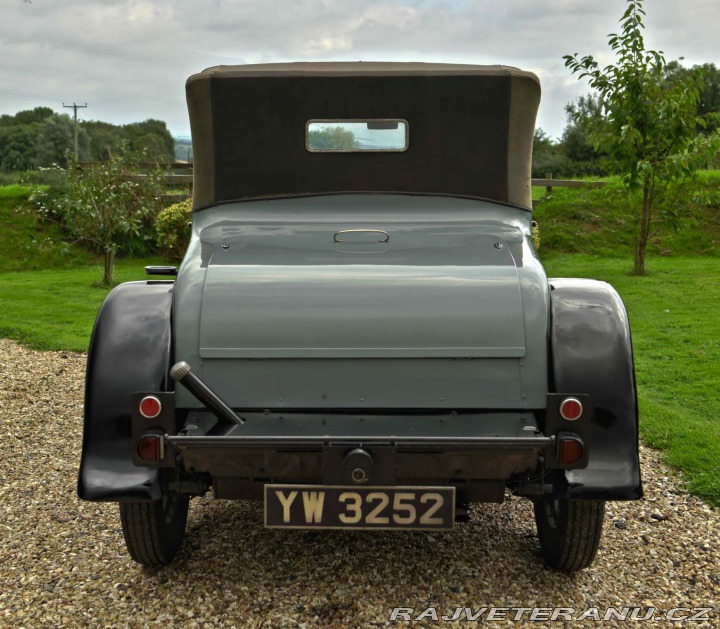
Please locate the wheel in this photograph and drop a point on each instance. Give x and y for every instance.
(154, 530)
(569, 531)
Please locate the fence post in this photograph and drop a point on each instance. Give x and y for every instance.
(548, 188)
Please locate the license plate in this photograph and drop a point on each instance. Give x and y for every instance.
(332, 507)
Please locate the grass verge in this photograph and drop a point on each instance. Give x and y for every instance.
(601, 221)
(56, 309)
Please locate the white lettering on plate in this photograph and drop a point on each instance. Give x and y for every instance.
(286, 501)
(313, 502)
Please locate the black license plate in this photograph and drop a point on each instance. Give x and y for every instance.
(332, 507)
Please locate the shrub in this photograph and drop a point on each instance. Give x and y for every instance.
(173, 230)
(109, 206)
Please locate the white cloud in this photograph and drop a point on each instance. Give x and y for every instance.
(129, 58)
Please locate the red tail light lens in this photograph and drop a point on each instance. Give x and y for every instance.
(571, 409)
(150, 407)
(150, 448)
(571, 450)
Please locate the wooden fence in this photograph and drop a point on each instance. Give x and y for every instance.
(178, 181)
(549, 183)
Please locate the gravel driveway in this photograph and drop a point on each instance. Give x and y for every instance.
(63, 561)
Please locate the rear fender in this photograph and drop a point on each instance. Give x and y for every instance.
(130, 351)
(591, 352)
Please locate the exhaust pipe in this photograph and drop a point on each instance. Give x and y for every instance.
(181, 372)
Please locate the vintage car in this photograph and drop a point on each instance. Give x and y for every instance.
(361, 333)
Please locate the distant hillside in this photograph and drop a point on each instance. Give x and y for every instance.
(183, 148)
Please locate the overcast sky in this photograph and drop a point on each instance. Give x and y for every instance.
(128, 59)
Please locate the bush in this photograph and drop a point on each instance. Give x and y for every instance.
(173, 231)
(110, 206)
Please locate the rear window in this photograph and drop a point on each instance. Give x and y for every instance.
(357, 136)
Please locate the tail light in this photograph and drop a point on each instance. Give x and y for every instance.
(150, 407)
(571, 409)
(150, 448)
(570, 450)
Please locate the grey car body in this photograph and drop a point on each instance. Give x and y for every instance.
(360, 319)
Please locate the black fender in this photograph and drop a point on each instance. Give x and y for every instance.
(591, 352)
(130, 351)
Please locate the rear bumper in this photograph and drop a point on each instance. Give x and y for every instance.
(477, 451)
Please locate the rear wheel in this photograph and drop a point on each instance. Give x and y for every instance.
(569, 531)
(154, 530)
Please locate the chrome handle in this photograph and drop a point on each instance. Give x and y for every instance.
(369, 231)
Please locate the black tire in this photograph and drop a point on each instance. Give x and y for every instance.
(154, 531)
(569, 531)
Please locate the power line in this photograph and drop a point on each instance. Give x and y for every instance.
(75, 107)
(4, 93)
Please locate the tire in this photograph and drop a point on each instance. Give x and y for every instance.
(569, 531)
(154, 531)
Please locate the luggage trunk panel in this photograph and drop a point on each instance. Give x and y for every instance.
(410, 303)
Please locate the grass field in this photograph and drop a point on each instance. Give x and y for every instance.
(56, 308)
(673, 311)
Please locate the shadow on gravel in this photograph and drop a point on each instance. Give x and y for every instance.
(328, 576)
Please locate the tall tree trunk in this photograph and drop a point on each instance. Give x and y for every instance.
(109, 273)
(642, 239)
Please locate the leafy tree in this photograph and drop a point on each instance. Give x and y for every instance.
(107, 203)
(709, 102)
(105, 139)
(39, 137)
(30, 116)
(583, 115)
(650, 129)
(332, 138)
(18, 135)
(155, 133)
(153, 146)
(54, 141)
(17, 147)
(547, 156)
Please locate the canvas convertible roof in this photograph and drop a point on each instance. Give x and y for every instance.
(470, 130)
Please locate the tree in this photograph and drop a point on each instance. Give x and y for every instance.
(55, 138)
(18, 136)
(332, 139)
(108, 202)
(17, 147)
(153, 146)
(105, 139)
(155, 131)
(30, 116)
(709, 102)
(650, 129)
(583, 115)
(547, 156)
(39, 137)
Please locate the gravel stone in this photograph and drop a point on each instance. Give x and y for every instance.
(63, 561)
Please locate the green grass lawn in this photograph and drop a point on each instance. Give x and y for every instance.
(56, 308)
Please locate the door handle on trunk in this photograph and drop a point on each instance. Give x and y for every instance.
(369, 231)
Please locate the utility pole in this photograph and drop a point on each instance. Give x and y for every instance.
(75, 107)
